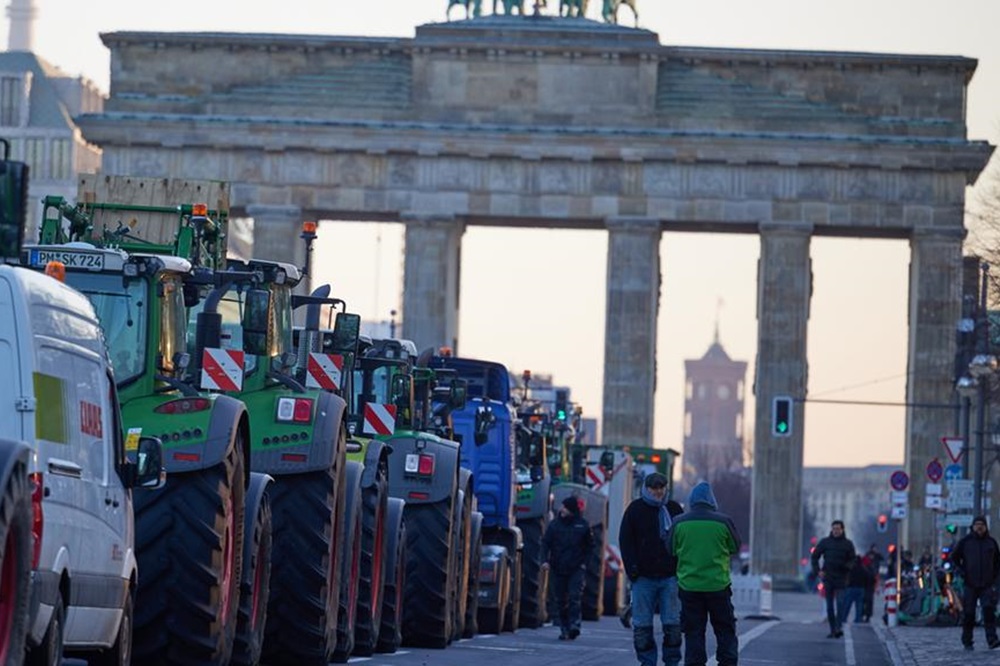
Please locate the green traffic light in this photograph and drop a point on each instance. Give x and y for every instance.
(561, 415)
(782, 427)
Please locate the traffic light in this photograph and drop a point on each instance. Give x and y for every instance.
(562, 403)
(781, 416)
(883, 523)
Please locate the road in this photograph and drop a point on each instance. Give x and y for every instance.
(798, 638)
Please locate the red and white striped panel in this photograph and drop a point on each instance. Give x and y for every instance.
(324, 371)
(379, 419)
(222, 369)
(595, 476)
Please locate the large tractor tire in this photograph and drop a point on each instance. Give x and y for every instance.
(592, 602)
(189, 543)
(490, 620)
(256, 583)
(306, 560)
(372, 576)
(534, 585)
(15, 564)
(350, 566)
(461, 581)
(512, 617)
(427, 608)
(471, 627)
(390, 633)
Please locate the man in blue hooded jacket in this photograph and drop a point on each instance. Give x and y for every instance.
(643, 539)
(704, 541)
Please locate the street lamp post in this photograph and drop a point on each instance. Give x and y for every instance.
(981, 369)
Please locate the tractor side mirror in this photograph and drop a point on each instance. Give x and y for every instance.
(346, 330)
(13, 205)
(459, 394)
(149, 471)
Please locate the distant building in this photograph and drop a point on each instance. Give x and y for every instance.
(856, 495)
(713, 413)
(38, 103)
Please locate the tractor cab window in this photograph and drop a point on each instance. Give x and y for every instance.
(281, 319)
(173, 322)
(121, 309)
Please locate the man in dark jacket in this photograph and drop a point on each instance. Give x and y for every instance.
(644, 538)
(977, 557)
(837, 553)
(705, 541)
(567, 542)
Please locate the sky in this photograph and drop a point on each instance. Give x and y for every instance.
(857, 328)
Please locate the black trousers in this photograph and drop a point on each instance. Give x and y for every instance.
(987, 596)
(697, 609)
(568, 588)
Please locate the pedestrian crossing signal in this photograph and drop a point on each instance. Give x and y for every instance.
(781, 416)
(883, 523)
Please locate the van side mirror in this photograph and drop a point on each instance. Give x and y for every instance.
(13, 204)
(256, 317)
(150, 473)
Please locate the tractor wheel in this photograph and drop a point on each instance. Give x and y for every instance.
(490, 620)
(463, 521)
(15, 565)
(189, 545)
(371, 577)
(351, 565)
(591, 604)
(306, 561)
(390, 633)
(513, 615)
(535, 579)
(429, 573)
(254, 588)
(472, 589)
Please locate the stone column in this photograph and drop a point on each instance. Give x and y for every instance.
(935, 307)
(431, 280)
(784, 287)
(276, 232)
(633, 285)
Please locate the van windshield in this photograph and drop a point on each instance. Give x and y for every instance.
(122, 313)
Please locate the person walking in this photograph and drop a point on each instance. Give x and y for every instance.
(703, 541)
(872, 562)
(644, 541)
(854, 595)
(977, 557)
(837, 553)
(567, 542)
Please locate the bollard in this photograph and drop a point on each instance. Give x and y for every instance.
(890, 602)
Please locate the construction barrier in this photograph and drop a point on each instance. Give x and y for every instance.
(752, 595)
(890, 603)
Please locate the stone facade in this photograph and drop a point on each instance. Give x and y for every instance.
(570, 123)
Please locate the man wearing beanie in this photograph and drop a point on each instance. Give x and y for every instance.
(567, 542)
(704, 540)
(977, 558)
(644, 541)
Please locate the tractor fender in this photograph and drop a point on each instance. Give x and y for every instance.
(227, 412)
(376, 452)
(417, 489)
(320, 451)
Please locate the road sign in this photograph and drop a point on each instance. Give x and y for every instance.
(960, 494)
(952, 472)
(959, 519)
(934, 502)
(899, 512)
(899, 480)
(932, 488)
(954, 446)
(935, 470)
(899, 497)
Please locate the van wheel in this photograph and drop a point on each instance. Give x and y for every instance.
(119, 654)
(49, 651)
(15, 567)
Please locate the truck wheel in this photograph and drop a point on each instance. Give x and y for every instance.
(371, 577)
(429, 569)
(472, 589)
(591, 604)
(189, 545)
(513, 615)
(254, 588)
(390, 633)
(350, 565)
(306, 558)
(533, 588)
(50, 651)
(119, 654)
(15, 569)
(490, 620)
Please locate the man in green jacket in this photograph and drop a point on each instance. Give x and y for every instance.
(704, 540)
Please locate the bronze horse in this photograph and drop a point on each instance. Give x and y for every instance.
(509, 7)
(610, 11)
(576, 8)
(475, 11)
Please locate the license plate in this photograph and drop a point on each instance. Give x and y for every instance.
(91, 261)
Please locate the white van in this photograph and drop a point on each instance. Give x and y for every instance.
(57, 394)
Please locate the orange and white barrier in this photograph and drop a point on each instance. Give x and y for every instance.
(890, 602)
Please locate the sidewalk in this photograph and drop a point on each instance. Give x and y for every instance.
(934, 646)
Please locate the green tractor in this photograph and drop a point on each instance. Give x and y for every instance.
(135, 254)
